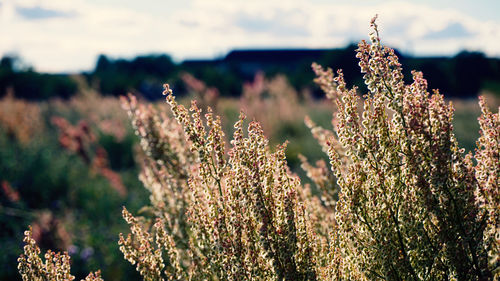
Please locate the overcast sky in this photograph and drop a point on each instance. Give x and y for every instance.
(67, 35)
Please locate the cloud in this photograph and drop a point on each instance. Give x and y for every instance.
(64, 40)
(452, 30)
(38, 13)
(275, 25)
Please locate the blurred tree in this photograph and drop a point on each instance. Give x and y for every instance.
(26, 83)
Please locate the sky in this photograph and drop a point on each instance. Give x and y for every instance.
(68, 35)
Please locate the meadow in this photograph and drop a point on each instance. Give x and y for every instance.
(69, 166)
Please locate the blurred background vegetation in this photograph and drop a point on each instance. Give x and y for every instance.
(69, 159)
(463, 75)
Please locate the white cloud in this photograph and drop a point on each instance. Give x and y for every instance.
(208, 28)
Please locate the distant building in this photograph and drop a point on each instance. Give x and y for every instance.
(248, 62)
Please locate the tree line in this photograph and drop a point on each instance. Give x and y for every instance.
(462, 75)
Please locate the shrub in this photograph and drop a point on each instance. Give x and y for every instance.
(412, 206)
(228, 215)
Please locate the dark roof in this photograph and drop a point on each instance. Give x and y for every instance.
(190, 62)
(275, 55)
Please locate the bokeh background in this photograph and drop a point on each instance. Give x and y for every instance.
(69, 159)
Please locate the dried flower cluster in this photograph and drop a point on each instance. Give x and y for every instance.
(261, 99)
(56, 266)
(167, 164)
(229, 214)
(81, 141)
(205, 95)
(11, 194)
(20, 119)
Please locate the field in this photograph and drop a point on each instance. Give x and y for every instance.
(395, 183)
(59, 188)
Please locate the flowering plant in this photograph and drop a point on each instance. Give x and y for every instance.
(55, 267)
(401, 202)
(411, 205)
